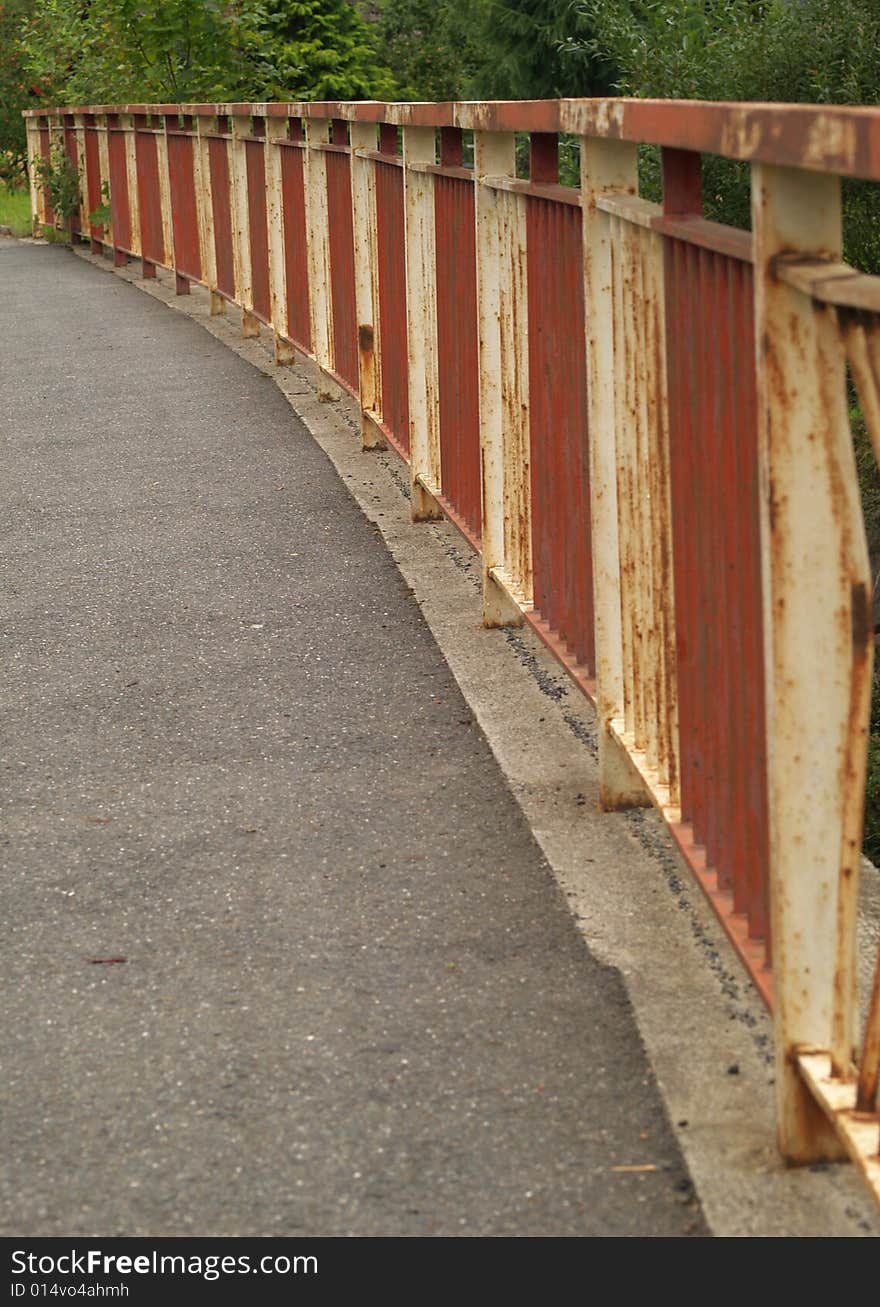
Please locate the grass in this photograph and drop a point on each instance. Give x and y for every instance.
(15, 211)
(869, 485)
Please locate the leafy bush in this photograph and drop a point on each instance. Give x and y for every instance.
(60, 180)
(814, 51)
(113, 51)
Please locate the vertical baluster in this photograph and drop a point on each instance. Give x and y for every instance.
(241, 245)
(419, 146)
(817, 623)
(606, 166)
(502, 307)
(366, 282)
(204, 205)
(317, 133)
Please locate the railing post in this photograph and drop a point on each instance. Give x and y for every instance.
(419, 146)
(33, 151)
(165, 198)
(366, 279)
(605, 166)
(241, 245)
(79, 131)
(56, 135)
(126, 121)
(502, 311)
(103, 126)
(817, 623)
(205, 210)
(317, 133)
(276, 130)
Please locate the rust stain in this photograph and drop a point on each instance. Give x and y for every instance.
(830, 137)
(862, 618)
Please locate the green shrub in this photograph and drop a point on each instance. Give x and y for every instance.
(60, 180)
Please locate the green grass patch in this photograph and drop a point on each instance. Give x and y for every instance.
(15, 211)
(869, 485)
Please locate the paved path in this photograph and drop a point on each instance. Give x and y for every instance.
(353, 1000)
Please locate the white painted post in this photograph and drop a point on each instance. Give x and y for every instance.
(127, 122)
(366, 281)
(317, 133)
(204, 205)
(33, 149)
(80, 133)
(817, 624)
(419, 146)
(104, 163)
(606, 166)
(56, 148)
(276, 130)
(503, 347)
(165, 194)
(241, 245)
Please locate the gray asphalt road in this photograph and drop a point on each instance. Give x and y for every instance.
(352, 999)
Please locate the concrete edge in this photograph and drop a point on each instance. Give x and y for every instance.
(705, 1029)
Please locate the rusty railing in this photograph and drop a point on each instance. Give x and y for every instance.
(638, 418)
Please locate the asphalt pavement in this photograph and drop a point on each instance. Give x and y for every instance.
(282, 956)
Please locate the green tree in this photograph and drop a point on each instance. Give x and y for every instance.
(491, 49)
(311, 50)
(434, 50)
(14, 93)
(540, 49)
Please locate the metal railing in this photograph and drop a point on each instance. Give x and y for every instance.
(638, 418)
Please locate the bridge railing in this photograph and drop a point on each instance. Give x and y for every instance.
(638, 417)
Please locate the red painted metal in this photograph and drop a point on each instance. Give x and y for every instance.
(184, 213)
(255, 159)
(389, 139)
(561, 556)
(458, 379)
(451, 148)
(93, 194)
(544, 157)
(296, 262)
(682, 184)
(345, 339)
(392, 301)
(218, 155)
(119, 205)
(149, 197)
(716, 545)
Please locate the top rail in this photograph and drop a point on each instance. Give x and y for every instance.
(828, 138)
